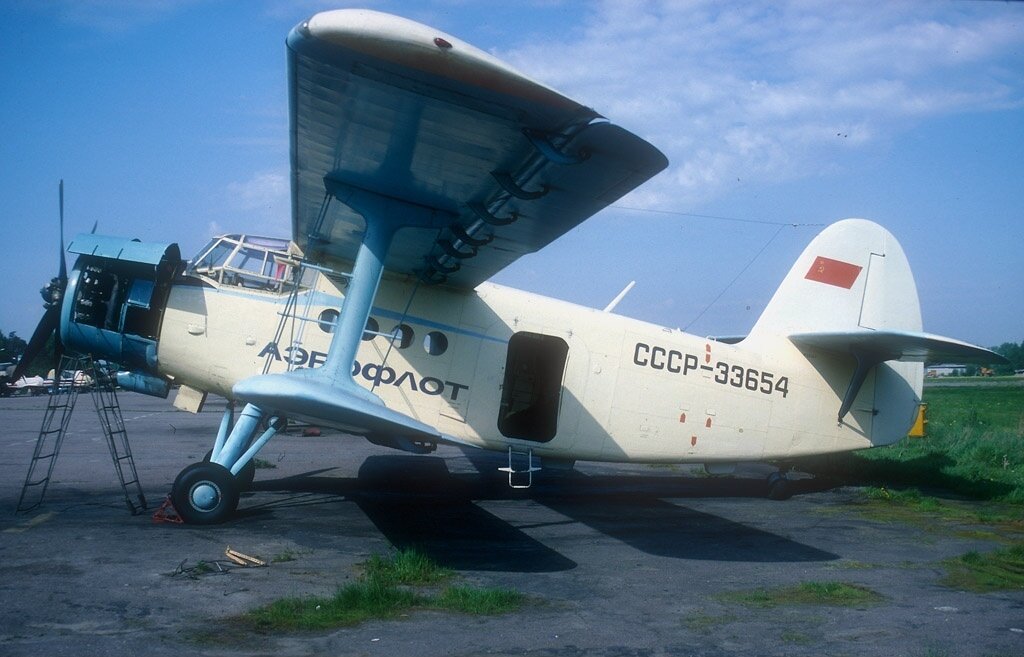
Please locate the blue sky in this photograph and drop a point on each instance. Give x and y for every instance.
(168, 121)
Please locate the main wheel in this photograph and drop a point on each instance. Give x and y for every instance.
(205, 494)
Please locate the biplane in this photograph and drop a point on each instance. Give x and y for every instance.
(420, 167)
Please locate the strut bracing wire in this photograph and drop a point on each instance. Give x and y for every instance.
(391, 342)
(737, 277)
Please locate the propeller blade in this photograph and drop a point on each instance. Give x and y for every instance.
(63, 265)
(47, 326)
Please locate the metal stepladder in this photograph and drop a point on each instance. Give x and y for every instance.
(100, 382)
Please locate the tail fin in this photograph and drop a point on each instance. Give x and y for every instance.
(853, 276)
(851, 293)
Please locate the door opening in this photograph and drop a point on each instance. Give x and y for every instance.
(532, 389)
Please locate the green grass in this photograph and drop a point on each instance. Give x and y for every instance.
(974, 448)
(1000, 570)
(283, 557)
(833, 594)
(388, 588)
(469, 600)
(352, 604)
(408, 567)
(912, 506)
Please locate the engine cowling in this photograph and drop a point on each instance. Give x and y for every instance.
(115, 299)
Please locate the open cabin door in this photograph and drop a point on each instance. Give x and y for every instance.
(531, 392)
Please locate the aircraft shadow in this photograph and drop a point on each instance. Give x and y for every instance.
(416, 502)
(632, 508)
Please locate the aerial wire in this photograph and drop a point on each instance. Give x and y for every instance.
(678, 213)
(737, 277)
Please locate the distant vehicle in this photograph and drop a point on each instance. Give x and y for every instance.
(29, 385)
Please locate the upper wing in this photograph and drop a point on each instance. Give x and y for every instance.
(397, 108)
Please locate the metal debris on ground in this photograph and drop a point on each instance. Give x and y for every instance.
(202, 568)
(236, 559)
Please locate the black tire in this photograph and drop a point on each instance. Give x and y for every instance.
(245, 477)
(778, 487)
(205, 494)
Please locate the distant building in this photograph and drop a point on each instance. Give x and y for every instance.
(945, 369)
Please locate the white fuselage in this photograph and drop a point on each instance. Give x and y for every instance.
(630, 390)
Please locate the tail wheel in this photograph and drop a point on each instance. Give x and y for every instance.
(205, 494)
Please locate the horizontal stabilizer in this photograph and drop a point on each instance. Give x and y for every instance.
(898, 345)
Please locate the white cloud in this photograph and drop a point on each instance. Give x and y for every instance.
(771, 92)
(113, 16)
(262, 203)
(263, 190)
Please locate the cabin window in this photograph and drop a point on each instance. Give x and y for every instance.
(402, 336)
(436, 343)
(328, 320)
(532, 389)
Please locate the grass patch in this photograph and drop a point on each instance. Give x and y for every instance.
(351, 605)
(468, 600)
(1000, 570)
(263, 464)
(910, 505)
(283, 557)
(852, 564)
(832, 594)
(386, 589)
(704, 623)
(406, 567)
(974, 448)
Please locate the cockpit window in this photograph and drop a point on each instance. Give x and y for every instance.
(259, 263)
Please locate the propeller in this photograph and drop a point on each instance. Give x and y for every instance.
(53, 296)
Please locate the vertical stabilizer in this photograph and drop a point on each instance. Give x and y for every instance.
(853, 276)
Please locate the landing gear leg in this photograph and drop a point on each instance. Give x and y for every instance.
(778, 486)
(207, 492)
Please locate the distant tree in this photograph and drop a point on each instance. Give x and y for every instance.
(11, 347)
(1014, 353)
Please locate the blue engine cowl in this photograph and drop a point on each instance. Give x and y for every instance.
(115, 299)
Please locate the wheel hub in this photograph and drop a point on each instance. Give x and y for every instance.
(205, 496)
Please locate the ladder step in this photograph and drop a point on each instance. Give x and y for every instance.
(108, 409)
